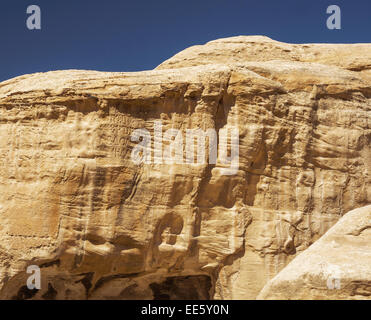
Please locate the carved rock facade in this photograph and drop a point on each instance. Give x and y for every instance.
(99, 226)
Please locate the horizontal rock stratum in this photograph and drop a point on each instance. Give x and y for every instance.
(100, 226)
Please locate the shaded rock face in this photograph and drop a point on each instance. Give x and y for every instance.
(337, 266)
(73, 202)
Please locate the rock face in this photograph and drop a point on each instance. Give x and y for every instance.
(73, 202)
(337, 266)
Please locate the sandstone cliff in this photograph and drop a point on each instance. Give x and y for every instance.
(100, 226)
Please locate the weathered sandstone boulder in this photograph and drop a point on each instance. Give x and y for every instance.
(73, 202)
(337, 266)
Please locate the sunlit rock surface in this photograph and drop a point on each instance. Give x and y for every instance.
(102, 227)
(337, 266)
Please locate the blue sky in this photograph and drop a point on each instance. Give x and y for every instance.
(122, 35)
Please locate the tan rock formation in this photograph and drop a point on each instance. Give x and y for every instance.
(337, 266)
(100, 226)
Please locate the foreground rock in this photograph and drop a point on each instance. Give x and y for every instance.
(73, 202)
(337, 266)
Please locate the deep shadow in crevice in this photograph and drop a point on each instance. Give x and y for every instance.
(183, 288)
(24, 293)
(51, 294)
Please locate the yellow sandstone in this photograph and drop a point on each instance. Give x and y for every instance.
(102, 227)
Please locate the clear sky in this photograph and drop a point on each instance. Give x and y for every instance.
(122, 35)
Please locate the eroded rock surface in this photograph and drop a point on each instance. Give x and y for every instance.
(337, 266)
(73, 202)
